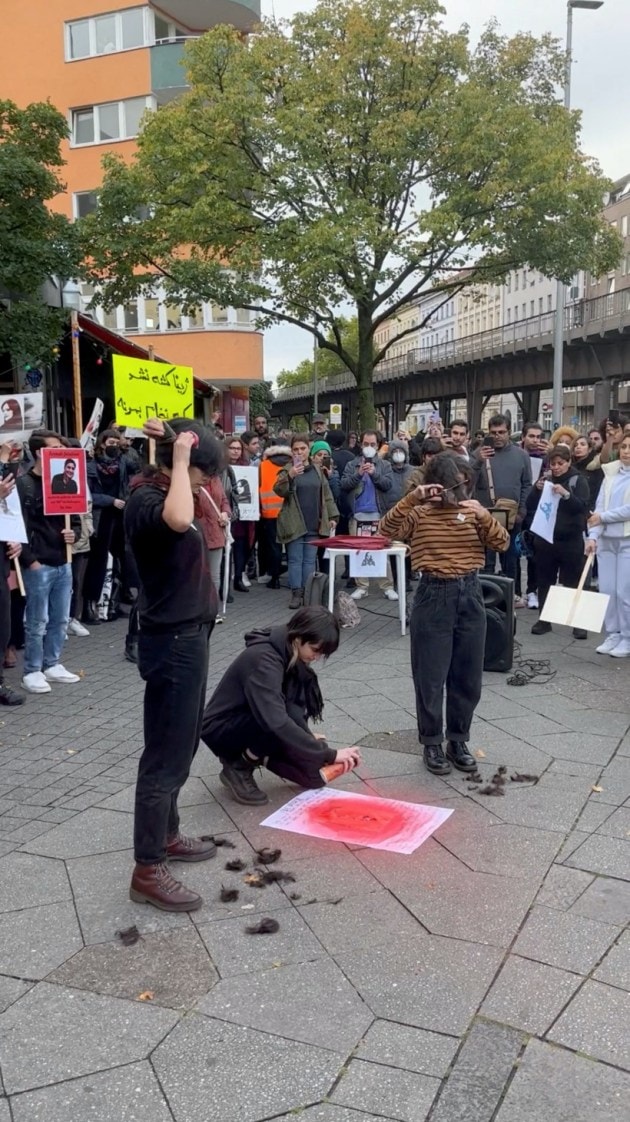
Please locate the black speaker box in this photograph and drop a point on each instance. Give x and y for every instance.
(498, 597)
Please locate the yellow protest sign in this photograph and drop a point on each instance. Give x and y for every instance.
(145, 389)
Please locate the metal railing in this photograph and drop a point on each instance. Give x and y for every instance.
(582, 320)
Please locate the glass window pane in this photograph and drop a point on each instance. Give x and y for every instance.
(242, 316)
(79, 39)
(84, 126)
(151, 314)
(110, 319)
(105, 34)
(173, 317)
(161, 27)
(134, 107)
(131, 316)
(219, 315)
(195, 317)
(86, 203)
(108, 122)
(132, 27)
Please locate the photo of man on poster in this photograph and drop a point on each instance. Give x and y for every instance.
(64, 482)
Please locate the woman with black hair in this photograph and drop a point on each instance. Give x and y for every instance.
(109, 476)
(260, 710)
(177, 605)
(448, 533)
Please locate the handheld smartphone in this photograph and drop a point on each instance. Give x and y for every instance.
(297, 461)
(326, 461)
(489, 442)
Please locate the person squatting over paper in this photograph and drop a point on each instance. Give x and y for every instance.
(259, 712)
(448, 533)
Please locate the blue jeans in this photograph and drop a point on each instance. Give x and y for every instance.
(302, 558)
(48, 593)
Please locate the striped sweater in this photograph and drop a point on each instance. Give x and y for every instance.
(443, 542)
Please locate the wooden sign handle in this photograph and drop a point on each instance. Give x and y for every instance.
(67, 526)
(19, 577)
(580, 587)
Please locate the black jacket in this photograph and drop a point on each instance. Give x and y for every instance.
(259, 691)
(593, 478)
(45, 543)
(572, 512)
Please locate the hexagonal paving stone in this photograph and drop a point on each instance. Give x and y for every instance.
(311, 1002)
(529, 995)
(174, 966)
(235, 952)
(563, 939)
(35, 941)
(213, 1070)
(53, 1034)
(130, 1092)
(552, 1084)
(27, 881)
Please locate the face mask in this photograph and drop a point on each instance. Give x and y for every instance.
(112, 451)
(368, 451)
(398, 457)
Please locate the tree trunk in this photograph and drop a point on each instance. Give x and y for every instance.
(365, 370)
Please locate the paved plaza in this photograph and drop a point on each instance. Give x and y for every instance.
(484, 978)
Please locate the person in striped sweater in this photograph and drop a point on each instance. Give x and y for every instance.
(448, 534)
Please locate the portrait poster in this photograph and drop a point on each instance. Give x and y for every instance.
(20, 415)
(64, 481)
(246, 492)
(144, 389)
(12, 528)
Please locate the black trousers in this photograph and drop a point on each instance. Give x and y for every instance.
(248, 735)
(273, 548)
(448, 636)
(79, 567)
(5, 613)
(175, 669)
(561, 562)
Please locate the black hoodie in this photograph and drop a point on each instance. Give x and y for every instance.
(260, 698)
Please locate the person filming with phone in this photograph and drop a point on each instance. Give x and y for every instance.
(503, 480)
(367, 481)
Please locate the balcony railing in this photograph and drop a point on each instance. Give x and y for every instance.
(583, 320)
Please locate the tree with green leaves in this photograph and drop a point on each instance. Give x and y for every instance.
(260, 400)
(358, 156)
(35, 243)
(328, 362)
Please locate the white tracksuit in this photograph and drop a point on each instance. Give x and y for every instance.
(613, 547)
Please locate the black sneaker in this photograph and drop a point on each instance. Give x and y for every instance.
(9, 696)
(435, 760)
(239, 779)
(579, 633)
(460, 757)
(541, 628)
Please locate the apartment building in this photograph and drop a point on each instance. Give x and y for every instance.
(617, 211)
(104, 63)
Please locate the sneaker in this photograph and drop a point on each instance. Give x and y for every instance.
(390, 594)
(238, 777)
(35, 682)
(580, 633)
(76, 628)
(541, 627)
(532, 600)
(359, 593)
(613, 640)
(622, 650)
(519, 602)
(9, 696)
(246, 581)
(58, 673)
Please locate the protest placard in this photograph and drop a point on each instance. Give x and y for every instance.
(544, 521)
(246, 493)
(64, 481)
(12, 528)
(144, 389)
(20, 414)
(90, 432)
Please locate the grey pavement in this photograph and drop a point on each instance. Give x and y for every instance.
(484, 978)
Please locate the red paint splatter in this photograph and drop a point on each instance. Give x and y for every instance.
(361, 820)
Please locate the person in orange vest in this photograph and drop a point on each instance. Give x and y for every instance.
(276, 457)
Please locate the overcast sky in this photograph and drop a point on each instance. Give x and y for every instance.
(600, 79)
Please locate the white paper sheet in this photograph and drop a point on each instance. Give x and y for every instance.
(368, 563)
(544, 522)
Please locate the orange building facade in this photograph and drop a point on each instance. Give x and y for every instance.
(103, 63)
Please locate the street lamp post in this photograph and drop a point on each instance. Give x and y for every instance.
(558, 343)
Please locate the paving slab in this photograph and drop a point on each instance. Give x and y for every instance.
(26, 881)
(562, 887)
(480, 1074)
(616, 825)
(597, 1023)
(92, 831)
(130, 1093)
(53, 1034)
(192, 793)
(529, 995)
(422, 980)
(357, 921)
(428, 1053)
(173, 966)
(34, 941)
(563, 939)
(392, 1092)
(580, 746)
(311, 1002)
(599, 854)
(233, 951)
(607, 900)
(11, 990)
(552, 1084)
(615, 969)
(195, 1066)
(342, 875)
(504, 849)
(327, 1112)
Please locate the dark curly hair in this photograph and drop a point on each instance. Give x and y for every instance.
(453, 473)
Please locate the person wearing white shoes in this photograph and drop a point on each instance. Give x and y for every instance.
(367, 481)
(609, 537)
(47, 576)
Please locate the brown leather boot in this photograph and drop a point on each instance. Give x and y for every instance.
(182, 848)
(154, 884)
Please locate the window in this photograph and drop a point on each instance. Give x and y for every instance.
(151, 314)
(85, 202)
(113, 120)
(164, 29)
(524, 278)
(242, 316)
(524, 311)
(110, 319)
(195, 317)
(540, 306)
(108, 33)
(219, 315)
(173, 317)
(508, 284)
(131, 316)
(532, 308)
(550, 303)
(509, 315)
(516, 282)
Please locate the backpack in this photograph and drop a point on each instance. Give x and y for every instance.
(316, 595)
